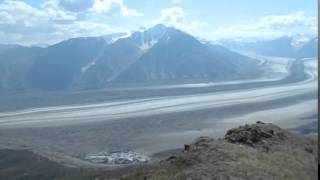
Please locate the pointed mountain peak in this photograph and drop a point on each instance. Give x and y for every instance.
(159, 26)
(147, 38)
(157, 29)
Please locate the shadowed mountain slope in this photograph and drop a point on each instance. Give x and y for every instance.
(159, 54)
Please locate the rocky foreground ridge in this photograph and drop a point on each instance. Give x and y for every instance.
(259, 151)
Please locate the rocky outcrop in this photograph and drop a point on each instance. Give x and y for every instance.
(259, 151)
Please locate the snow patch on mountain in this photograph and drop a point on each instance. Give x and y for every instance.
(299, 41)
(87, 66)
(168, 39)
(148, 44)
(112, 38)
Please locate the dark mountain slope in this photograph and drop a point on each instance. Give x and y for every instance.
(15, 64)
(117, 56)
(309, 50)
(5, 47)
(61, 63)
(178, 56)
(114, 59)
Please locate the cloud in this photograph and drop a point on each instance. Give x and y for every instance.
(113, 7)
(76, 5)
(172, 16)
(176, 1)
(50, 23)
(51, 8)
(84, 28)
(175, 16)
(270, 27)
(18, 12)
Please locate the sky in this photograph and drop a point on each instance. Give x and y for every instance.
(30, 22)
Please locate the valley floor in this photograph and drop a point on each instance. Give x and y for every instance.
(157, 119)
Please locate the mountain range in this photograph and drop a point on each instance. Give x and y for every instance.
(297, 46)
(159, 54)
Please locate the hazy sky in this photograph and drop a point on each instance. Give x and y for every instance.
(47, 22)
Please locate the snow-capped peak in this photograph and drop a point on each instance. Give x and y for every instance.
(147, 38)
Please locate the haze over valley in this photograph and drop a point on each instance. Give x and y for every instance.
(144, 91)
(114, 101)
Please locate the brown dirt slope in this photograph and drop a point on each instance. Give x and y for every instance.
(259, 151)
